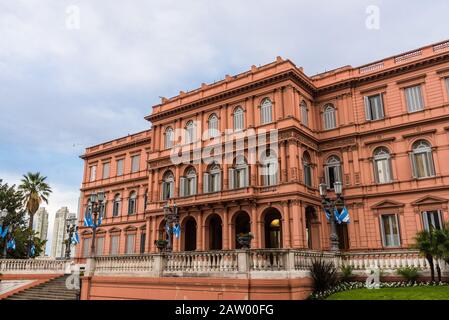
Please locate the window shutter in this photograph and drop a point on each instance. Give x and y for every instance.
(430, 161)
(231, 178)
(425, 220)
(218, 181)
(194, 186)
(163, 193)
(206, 182)
(367, 109)
(326, 176)
(338, 172)
(381, 106)
(182, 186)
(413, 165)
(376, 171)
(246, 177)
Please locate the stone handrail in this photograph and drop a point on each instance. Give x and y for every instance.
(33, 266)
(254, 262)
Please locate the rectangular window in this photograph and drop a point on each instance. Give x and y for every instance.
(93, 173)
(115, 240)
(106, 167)
(432, 220)
(99, 246)
(414, 99)
(390, 230)
(130, 238)
(86, 247)
(135, 163)
(120, 167)
(374, 108)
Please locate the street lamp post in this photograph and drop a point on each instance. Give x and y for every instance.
(71, 229)
(171, 219)
(330, 205)
(96, 203)
(3, 215)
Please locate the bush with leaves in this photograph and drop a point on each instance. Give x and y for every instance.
(410, 274)
(346, 272)
(324, 274)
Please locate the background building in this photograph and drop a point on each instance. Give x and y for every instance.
(40, 224)
(60, 232)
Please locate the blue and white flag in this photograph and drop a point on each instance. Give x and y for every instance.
(11, 244)
(75, 238)
(177, 230)
(32, 249)
(167, 229)
(327, 213)
(100, 219)
(337, 216)
(3, 232)
(344, 215)
(88, 219)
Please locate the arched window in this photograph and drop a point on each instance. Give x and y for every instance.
(239, 174)
(168, 186)
(266, 111)
(382, 165)
(132, 202)
(238, 119)
(213, 126)
(307, 164)
(422, 160)
(169, 137)
(117, 205)
(332, 171)
(304, 113)
(329, 119)
(188, 183)
(270, 167)
(212, 179)
(190, 132)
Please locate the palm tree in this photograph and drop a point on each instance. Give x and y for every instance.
(35, 190)
(425, 243)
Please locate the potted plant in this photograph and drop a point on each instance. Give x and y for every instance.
(161, 244)
(244, 239)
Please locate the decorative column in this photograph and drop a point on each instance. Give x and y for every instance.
(155, 185)
(177, 179)
(154, 234)
(283, 162)
(286, 243)
(226, 226)
(147, 235)
(298, 229)
(293, 162)
(254, 222)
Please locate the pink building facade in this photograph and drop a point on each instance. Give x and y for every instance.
(381, 129)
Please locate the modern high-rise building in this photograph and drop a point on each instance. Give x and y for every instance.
(40, 223)
(60, 232)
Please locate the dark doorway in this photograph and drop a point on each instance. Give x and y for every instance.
(143, 236)
(273, 229)
(190, 235)
(312, 229)
(242, 225)
(215, 233)
(343, 236)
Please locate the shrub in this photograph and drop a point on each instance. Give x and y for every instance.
(324, 274)
(409, 273)
(346, 272)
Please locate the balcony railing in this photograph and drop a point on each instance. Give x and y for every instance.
(34, 266)
(254, 263)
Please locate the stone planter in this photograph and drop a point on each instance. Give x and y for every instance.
(161, 244)
(245, 240)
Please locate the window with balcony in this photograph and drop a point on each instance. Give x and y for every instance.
(93, 173)
(213, 126)
(390, 230)
(413, 97)
(238, 119)
(382, 165)
(422, 160)
(120, 163)
(332, 171)
(304, 113)
(374, 107)
(307, 165)
(168, 186)
(329, 118)
(169, 137)
(239, 174)
(115, 241)
(86, 247)
(116, 207)
(190, 132)
(432, 220)
(212, 179)
(132, 203)
(188, 183)
(266, 111)
(269, 168)
(130, 243)
(135, 163)
(106, 170)
(99, 246)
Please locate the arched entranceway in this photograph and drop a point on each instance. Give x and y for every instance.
(189, 236)
(215, 232)
(242, 224)
(312, 229)
(273, 228)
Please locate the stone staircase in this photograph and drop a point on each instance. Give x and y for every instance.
(54, 289)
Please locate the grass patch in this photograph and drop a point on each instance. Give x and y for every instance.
(407, 293)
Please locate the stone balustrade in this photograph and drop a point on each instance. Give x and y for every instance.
(253, 263)
(33, 266)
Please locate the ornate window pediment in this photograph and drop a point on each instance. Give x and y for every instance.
(429, 200)
(387, 204)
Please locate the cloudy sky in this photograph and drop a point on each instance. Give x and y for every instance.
(76, 73)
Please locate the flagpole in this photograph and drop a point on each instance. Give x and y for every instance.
(331, 206)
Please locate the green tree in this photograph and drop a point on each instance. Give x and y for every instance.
(426, 244)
